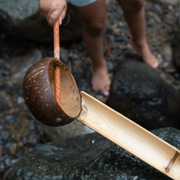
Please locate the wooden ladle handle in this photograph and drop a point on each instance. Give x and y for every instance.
(57, 68)
(56, 40)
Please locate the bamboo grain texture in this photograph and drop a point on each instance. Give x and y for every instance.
(130, 136)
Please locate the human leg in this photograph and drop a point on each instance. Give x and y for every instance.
(93, 19)
(135, 17)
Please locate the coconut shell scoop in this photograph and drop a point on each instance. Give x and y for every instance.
(50, 91)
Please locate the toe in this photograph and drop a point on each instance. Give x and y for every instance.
(155, 65)
(105, 91)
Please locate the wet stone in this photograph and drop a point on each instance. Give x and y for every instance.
(88, 157)
(11, 150)
(2, 166)
(177, 75)
(1, 126)
(110, 66)
(13, 161)
(20, 100)
(4, 135)
(27, 23)
(32, 139)
(18, 126)
(176, 86)
(10, 119)
(7, 66)
(7, 162)
(175, 48)
(5, 73)
(168, 2)
(31, 125)
(166, 52)
(64, 55)
(166, 63)
(145, 96)
(1, 150)
(5, 101)
(20, 151)
(2, 61)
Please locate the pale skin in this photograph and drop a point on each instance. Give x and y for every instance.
(93, 19)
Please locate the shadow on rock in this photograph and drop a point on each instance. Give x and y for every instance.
(139, 93)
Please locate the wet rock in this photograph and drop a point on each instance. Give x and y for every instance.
(10, 119)
(6, 102)
(11, 150)
(31, 126)
(82, 84)
(166, 52)
(4, 135)
(21, 63)
(18, 126)
(22, 20)
(1, 126)
(110, 66)
(7, 162)
(1, 150)
(64, 55)
(19, 129)
(168, 2)
(21, 151)
(175, 49)
(2, 167)
(166, 64)
(20, 100)
(88, 157)
(5, 73)
(73, 129)
(33, 139)
(138, 92)
(84, 148)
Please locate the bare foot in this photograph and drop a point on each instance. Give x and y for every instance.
(100, 79)
(146, 54)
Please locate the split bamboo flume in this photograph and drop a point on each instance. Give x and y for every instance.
(130, 136)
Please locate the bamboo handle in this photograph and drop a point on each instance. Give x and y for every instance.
(57, 68)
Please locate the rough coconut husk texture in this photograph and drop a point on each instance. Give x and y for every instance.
(39, 89)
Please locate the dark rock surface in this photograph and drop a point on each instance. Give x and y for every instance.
(176, 47)
(21, 19)
(168, 2)
(83, 158)
(139, 93)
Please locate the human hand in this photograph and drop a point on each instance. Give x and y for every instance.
(52, 10)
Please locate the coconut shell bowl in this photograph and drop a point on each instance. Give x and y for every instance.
(39, 93)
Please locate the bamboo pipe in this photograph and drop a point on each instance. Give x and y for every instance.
(130, 136)
(57, 75)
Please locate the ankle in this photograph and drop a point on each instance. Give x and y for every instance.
(140, 44)
(99, 65)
